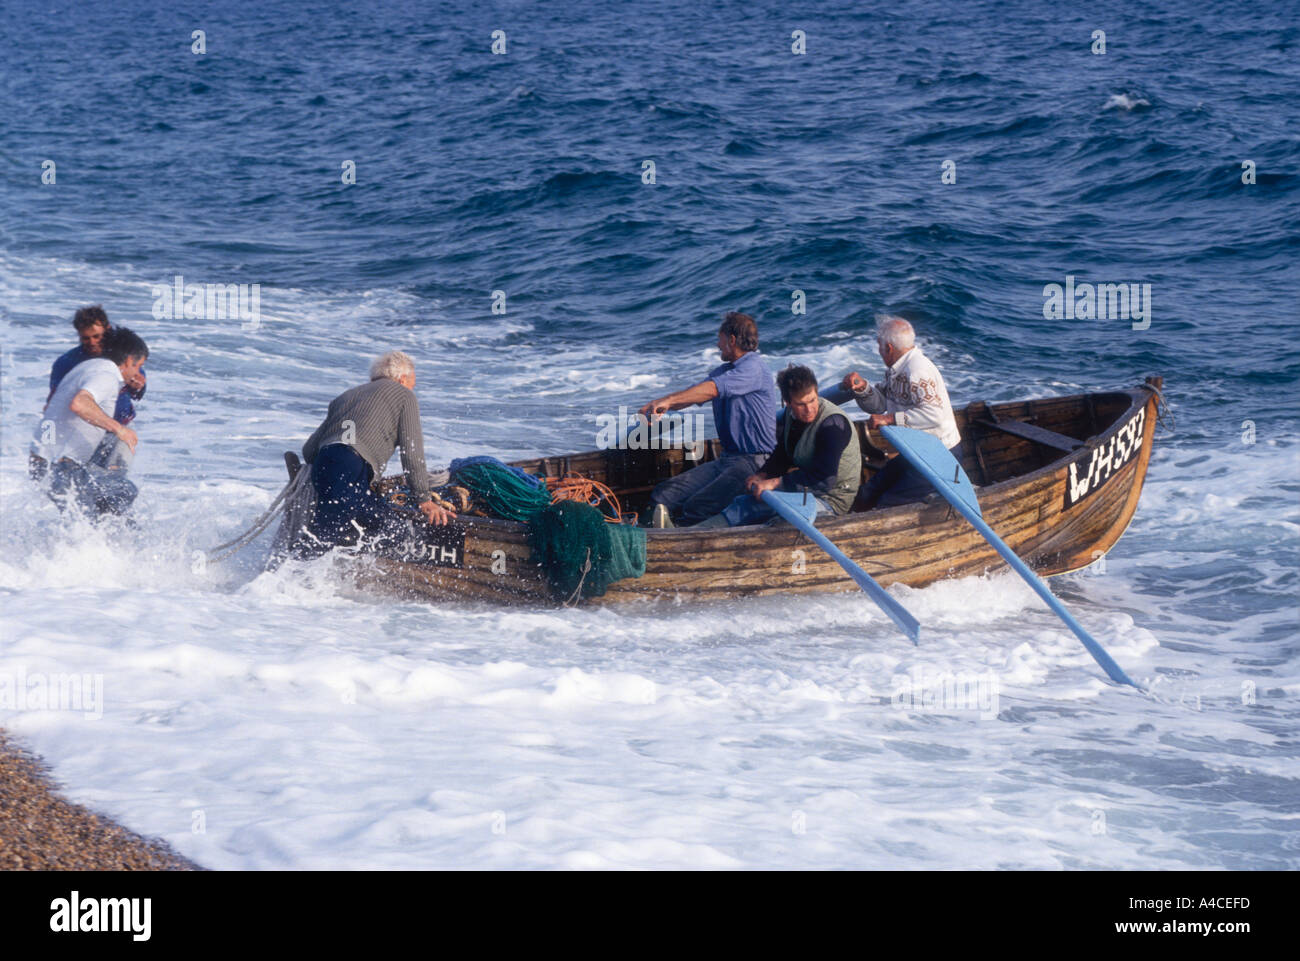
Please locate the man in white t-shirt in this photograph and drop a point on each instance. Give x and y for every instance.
(913, 394)
(79, 417)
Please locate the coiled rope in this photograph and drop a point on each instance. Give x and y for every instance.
(1164, 410)
(584, 490)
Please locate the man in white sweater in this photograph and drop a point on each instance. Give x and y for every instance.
(912, 395)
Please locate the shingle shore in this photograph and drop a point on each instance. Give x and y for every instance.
(40, 831)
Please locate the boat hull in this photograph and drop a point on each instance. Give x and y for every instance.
(1059, 511)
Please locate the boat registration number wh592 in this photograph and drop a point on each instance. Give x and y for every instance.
(1106, 460)
(437, 546)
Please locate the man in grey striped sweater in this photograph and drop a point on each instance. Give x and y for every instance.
(349, 450)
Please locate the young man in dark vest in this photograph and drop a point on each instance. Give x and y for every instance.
(817, 451)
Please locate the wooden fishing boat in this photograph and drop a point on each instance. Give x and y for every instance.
(1058, 479)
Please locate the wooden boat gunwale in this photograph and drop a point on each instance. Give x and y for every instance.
(1139, 397)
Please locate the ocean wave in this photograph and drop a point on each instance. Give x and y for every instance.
(1127, 102)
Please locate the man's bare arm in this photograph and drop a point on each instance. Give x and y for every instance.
(700, 393)
(84, 406)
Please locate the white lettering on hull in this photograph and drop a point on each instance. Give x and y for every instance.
(1105, 460)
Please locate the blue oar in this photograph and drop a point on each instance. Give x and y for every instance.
(928, 455)
(837, 394)
(799, 511)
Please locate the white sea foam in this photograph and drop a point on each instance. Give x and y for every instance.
(1125, 101)
(284, 720)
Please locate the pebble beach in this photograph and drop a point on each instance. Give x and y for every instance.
(40, 831)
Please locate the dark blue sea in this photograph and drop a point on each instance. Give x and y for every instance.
(612, 181)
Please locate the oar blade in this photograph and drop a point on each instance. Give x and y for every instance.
(928, 455)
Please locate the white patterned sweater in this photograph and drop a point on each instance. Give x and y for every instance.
(914, 392)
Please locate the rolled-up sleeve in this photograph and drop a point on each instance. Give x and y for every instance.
(744, 376)
(727, 382)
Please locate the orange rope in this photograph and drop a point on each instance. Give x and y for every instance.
(575, 487)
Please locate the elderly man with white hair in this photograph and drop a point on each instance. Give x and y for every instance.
(349, 449)
(912, 395)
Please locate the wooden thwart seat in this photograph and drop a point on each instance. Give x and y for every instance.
(1039, 435)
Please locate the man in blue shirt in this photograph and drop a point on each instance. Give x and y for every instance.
(743, 394)
(92, 324)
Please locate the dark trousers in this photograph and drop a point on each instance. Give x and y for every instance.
(705, 489)
(898, 482)
(95, 490)
(345, 502)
